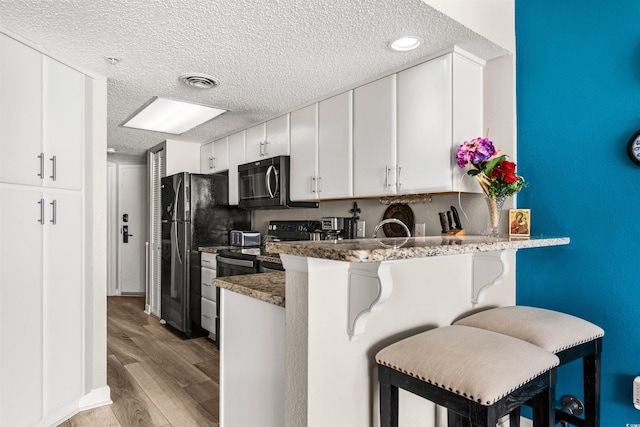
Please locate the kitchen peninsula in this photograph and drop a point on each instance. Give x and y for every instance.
(346, 300)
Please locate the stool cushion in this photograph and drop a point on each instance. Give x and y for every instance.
(482, 366)
(551, 330)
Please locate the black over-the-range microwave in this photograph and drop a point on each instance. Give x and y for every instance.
(264, 184)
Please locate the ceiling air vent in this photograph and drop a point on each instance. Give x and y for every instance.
(200, 81)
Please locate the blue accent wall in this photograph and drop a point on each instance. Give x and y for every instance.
(578, 103)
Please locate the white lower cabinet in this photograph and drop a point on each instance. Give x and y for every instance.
(208, 308)
(41, 307)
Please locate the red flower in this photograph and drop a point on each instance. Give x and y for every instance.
(506, 166)
(510, 177)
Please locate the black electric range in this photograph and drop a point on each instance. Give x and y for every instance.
(244, 260)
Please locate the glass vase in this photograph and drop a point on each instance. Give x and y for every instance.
(495, 214)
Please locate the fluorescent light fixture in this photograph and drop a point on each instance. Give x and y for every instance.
(169, 116)
(405, 43)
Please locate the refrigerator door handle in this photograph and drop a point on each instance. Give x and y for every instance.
(175, 229)
(175, 200)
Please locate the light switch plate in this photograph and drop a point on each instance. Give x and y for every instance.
(360, 229)
(419, 230)
(636, 392)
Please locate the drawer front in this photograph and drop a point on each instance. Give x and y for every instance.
(207, 290)
(208, 260)
(208, 313)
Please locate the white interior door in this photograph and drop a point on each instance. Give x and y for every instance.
(132, 196)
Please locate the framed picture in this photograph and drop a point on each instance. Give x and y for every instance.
(519, 222)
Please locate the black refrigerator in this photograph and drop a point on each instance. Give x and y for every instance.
(195, 213)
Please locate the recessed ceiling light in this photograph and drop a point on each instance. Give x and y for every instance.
(112, 60)
(405, 43)
(169, 116)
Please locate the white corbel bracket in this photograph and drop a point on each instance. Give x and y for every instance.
(370, 287)
(488, 269)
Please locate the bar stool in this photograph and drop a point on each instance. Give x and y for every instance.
(478, 375)
(567, 336)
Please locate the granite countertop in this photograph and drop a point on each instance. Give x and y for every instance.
(390, 249)
(267, 287)
(274, 258)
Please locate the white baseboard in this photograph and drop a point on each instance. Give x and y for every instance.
(97, 397)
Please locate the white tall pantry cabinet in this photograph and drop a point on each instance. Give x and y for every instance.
(42, 130)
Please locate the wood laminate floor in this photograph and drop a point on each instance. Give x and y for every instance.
(156, 377)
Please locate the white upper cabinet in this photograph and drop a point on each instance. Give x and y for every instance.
(206, 158)
(63, 134)
(424, 127)
(374, 138)
(322, 150)
(221, 154)
(41, 123)
(214, 156)
(335, 147)
(439, 107)
(269, 139)
(20, 113)
(304, 153)
(236, 158)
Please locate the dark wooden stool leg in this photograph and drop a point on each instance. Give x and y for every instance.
(544, 410)
(514, 418)
(388, 400)
(591, 375)
(456, 420)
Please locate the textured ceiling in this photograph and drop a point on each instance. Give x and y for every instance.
(270, 56)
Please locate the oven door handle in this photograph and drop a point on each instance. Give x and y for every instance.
(233, 261)
(271, 169)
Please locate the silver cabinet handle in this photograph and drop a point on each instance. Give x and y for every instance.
(41, 157)
(41, 203)
(386, 171)
(54, 162)
(266, 148)
(261, 146)
(314, 184)
(55, 208)
(206, 284)
(206, 316)
(398, 170)
(319, 184)
(210, 162)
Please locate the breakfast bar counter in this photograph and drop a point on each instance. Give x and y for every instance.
(348, 299)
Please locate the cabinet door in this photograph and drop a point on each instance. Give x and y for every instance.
(335, 147)
(20, 113)
(424, 127)
(206, 158)
(236, 157)
(277, 137)
(467, 114)
(221, 154)
(255, 136)
(63, 127)
(304, 153)
(21, 334)
(62, 300)
(374, 138)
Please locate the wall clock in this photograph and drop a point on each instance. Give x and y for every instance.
(633, 148)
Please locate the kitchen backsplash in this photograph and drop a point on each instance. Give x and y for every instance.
(372, 211)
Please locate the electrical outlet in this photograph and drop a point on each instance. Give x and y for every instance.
(360, 229)
(636, 392)
(419, 230)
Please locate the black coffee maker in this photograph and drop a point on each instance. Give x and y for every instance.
(338, 228)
